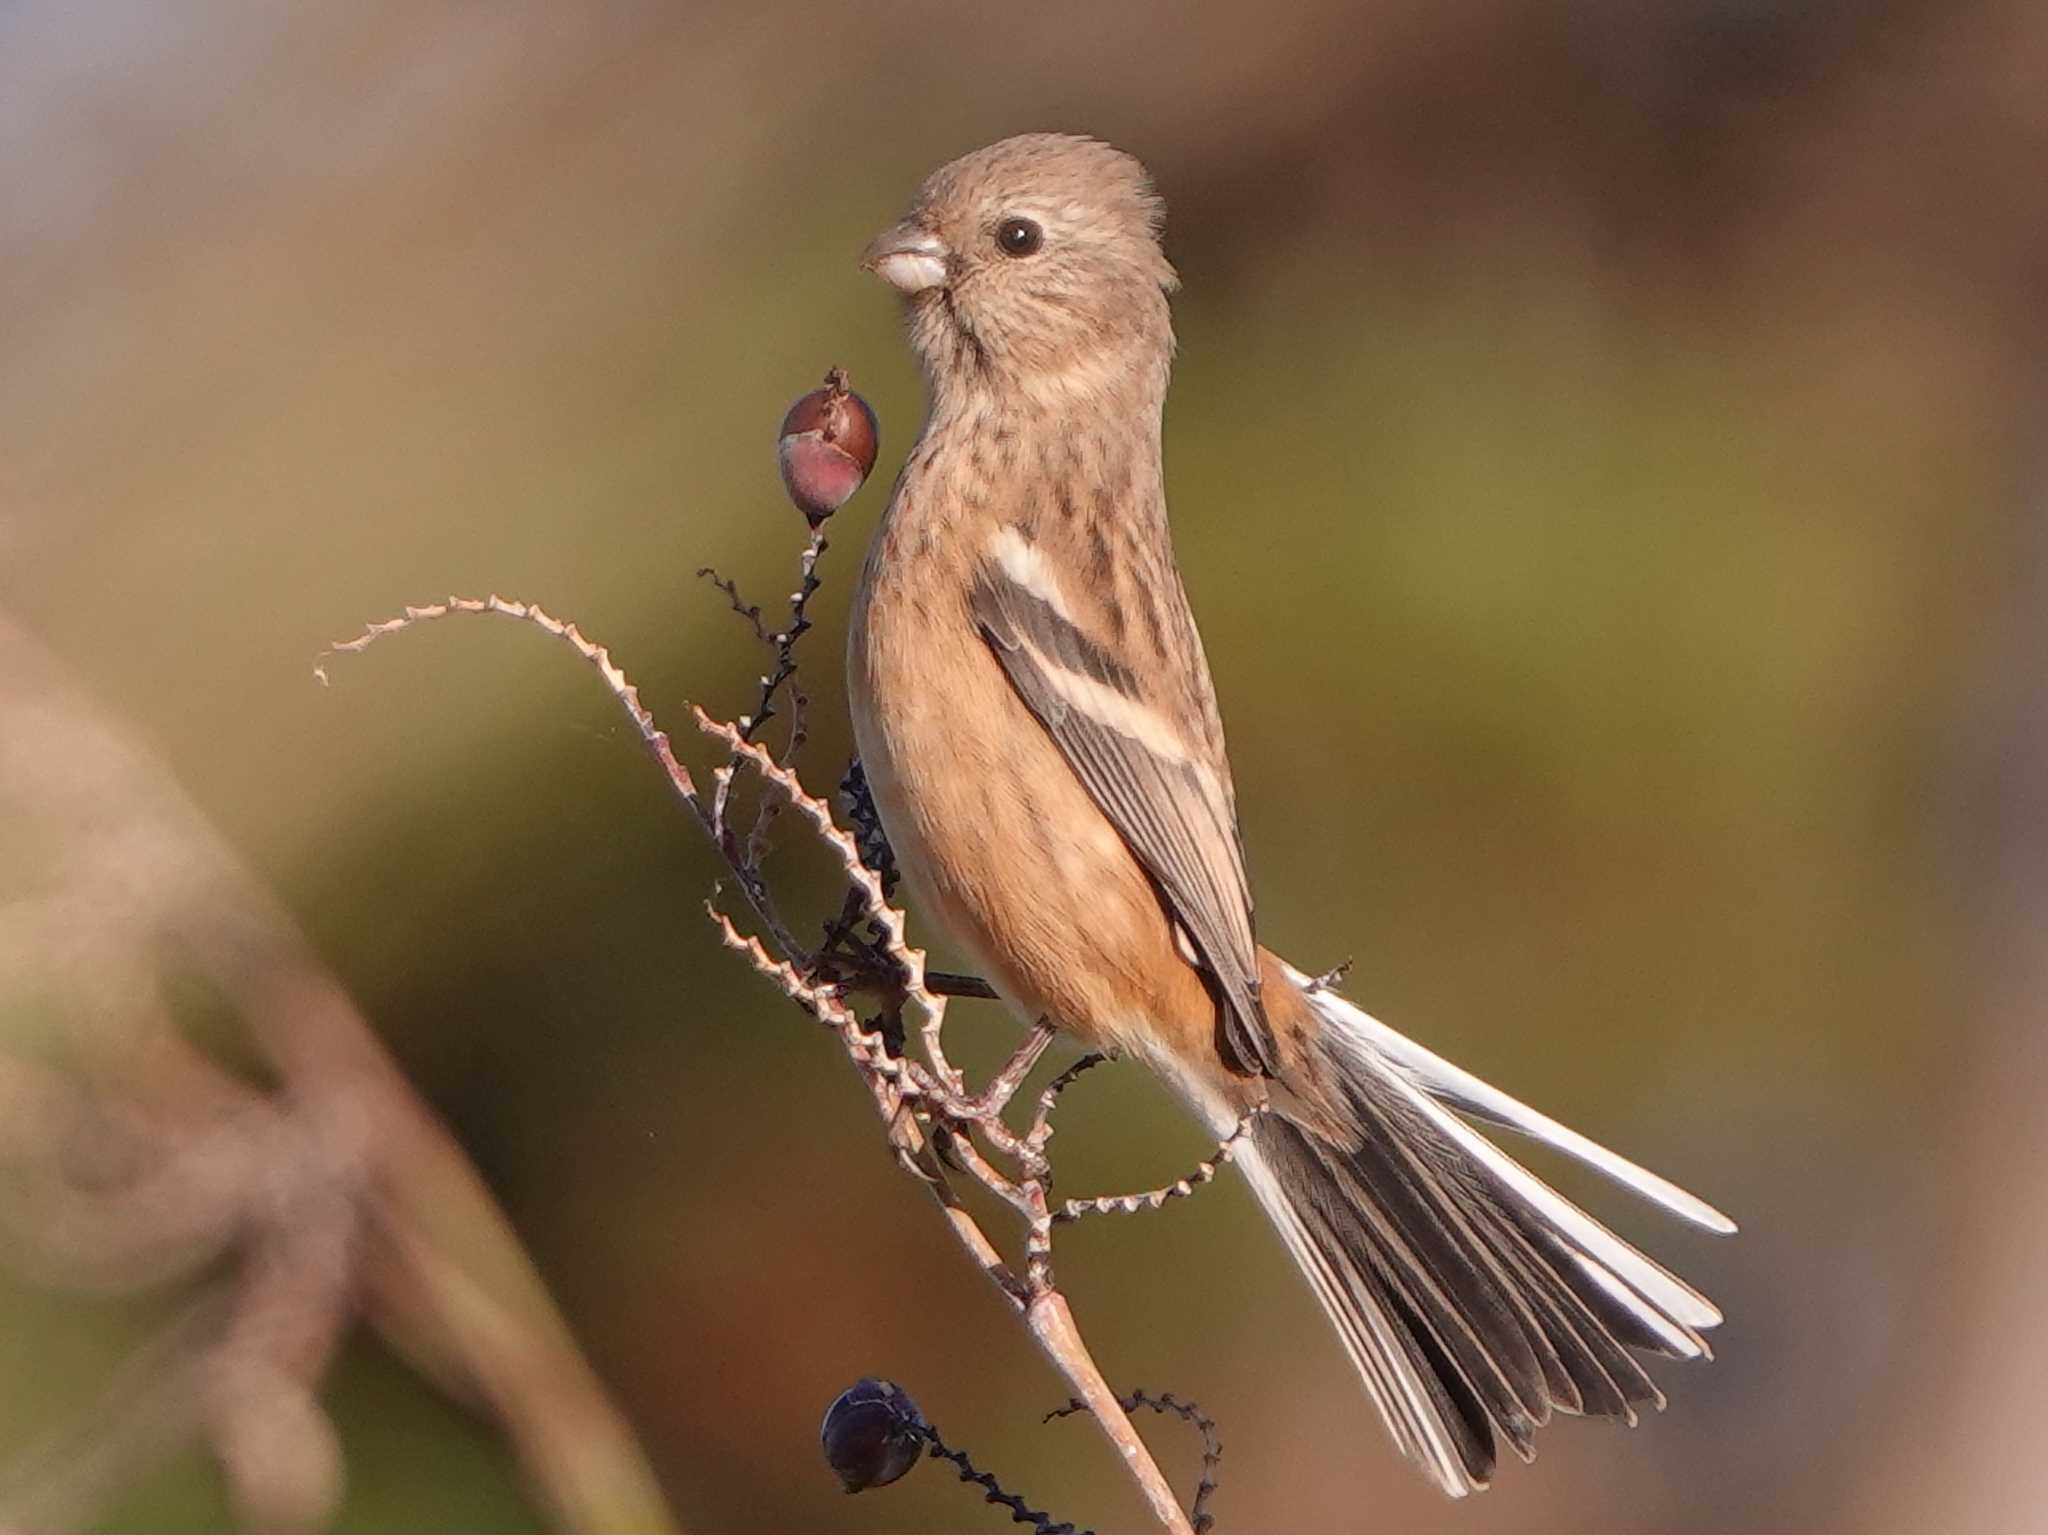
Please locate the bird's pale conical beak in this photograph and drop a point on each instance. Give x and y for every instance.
(908, 258)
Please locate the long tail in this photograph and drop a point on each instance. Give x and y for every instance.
(1473, 1298)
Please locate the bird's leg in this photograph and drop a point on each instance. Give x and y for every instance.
(1003, 1086)
(1041, 1122)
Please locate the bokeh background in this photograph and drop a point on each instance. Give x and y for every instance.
(1609, 454)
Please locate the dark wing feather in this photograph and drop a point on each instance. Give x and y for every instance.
(1174, 815)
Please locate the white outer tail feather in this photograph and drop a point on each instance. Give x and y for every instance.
(1664, 1303)
(1458, 1087)
(1390, 1381)
(1610, 1260)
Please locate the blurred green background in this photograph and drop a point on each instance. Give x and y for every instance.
(1608, 461)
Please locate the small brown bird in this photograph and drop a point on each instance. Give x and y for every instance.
(1038, 726)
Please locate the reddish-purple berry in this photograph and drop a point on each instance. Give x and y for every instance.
(827, 447)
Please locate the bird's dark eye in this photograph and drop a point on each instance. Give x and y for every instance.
(1019, 237)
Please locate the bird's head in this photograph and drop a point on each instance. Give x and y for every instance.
(1034, 265)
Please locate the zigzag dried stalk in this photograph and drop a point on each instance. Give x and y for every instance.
(993, 1491)
(1191, 1412)
(887, 918)
(824, 1003)
(621, 686)
(1126, 1204)
(1152, 1199)
(922, 1103)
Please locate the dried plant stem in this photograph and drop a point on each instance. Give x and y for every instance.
(1152, 1199)
(888, 919)
(1052, 1325)
(1020, 1511)
(1189, 1412)
(925, 1104)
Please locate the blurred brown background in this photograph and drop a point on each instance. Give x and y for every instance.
(1608, 459)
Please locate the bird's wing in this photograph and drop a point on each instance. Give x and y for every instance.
(1159, 777)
